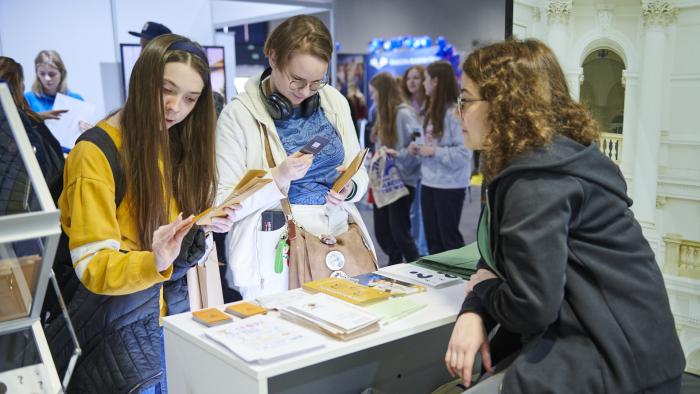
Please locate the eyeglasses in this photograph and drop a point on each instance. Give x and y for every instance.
(299, 84)
(461, 102)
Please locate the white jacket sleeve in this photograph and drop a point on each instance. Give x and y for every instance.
(232, 151)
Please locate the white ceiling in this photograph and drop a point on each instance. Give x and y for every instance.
(234, 12)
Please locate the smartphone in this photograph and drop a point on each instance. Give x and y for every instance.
(315, 145)
(272, 220)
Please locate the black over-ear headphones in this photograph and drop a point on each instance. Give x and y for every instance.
(280, 108)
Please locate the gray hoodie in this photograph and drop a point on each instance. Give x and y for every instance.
(407, 164)
(451, 166)
(581, 281)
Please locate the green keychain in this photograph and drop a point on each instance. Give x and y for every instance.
(281, 254)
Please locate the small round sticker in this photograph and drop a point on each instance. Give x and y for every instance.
(339, 274)
(335, 260)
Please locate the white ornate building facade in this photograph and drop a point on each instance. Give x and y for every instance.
(658, 43)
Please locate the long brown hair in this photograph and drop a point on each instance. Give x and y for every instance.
(301, 33)
(186, 151)
(388, 101)
(446, 92)
(529, 101)
(404, 86)
(12, 72)
(53, 59)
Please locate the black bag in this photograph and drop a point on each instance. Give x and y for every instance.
(63, 264)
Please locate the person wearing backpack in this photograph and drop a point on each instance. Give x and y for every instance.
(46, 147)
(131, 252)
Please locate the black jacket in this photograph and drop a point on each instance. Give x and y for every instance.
(120, 336)
(581, 285)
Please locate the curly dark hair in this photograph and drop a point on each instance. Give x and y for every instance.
(529, 101)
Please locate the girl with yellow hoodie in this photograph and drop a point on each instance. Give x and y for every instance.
(131, 258)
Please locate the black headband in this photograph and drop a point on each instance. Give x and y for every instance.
(189, 47)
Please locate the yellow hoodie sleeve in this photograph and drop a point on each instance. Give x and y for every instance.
(89, 218)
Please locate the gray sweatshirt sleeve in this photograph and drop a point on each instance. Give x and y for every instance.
(409, 165)
(451, 152)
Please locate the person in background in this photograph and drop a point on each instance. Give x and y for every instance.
(396, 122)
(358, 105)
(413, 93)
(413, 90)
(51, 79)
(17, 195)
(445, 162)
(565, 270)
(219, 103)
(293, 103)
(131, 259)
(149, 31)
(46, 147)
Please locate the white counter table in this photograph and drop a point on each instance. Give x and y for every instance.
(405, 356)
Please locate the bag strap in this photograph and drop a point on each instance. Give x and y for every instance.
(102, 140)
(286, 207)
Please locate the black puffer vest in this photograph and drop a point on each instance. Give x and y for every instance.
(120, 336)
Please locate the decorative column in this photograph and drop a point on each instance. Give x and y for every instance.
(657, 16)
(630, 81)
(558, 13)
(574, 78)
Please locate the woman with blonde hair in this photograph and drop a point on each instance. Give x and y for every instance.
(565, 270)
(265, 127)
(445, 162)
(51, 79)
(396, 122)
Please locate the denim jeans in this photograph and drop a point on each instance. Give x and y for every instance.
(417, 229)
(162, 386)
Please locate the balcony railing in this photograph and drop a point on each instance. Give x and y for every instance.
(611, 146)
(682, 257)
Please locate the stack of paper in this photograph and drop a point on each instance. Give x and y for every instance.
(395, 309)
(420, 275)
(266, 338)
(331, 316)
(461, 262)
(346, 290)
(280, 300)
(67, 128)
